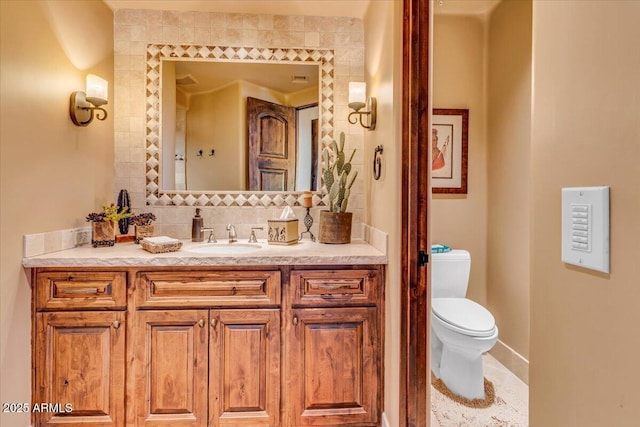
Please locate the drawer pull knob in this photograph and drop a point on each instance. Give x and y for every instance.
(336, 296)
(201, 323)
(116, 324)
(295, 320)
(214, 323)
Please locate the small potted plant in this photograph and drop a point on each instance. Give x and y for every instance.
(335, 224)
(143, 227)
(103, 224)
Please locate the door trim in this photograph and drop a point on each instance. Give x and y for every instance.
(416, 123)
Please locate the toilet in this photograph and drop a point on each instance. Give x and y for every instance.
(461, 329)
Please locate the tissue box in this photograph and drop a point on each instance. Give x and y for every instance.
(283, 231)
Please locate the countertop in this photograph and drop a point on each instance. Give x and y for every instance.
(132, 255)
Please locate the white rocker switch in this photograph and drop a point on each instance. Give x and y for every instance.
(585, 227)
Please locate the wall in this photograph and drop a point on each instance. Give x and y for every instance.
(383, 74)
(585, 132)
(508, 169)
(133, 29)
(53, 173)
(460, 221)
(213, 122)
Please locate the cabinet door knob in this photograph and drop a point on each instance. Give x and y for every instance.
(201, 323)
(214, 323)
(295, 320)
(116, 324)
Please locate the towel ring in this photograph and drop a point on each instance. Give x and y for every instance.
(377, 162)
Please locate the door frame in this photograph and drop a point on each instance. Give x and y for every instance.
(416, 189)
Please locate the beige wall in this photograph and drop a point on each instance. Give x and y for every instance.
(383, 74)
(53, 173)
(460, 221)
(586, 131)
(508, 169)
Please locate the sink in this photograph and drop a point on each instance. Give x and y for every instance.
(224, 248)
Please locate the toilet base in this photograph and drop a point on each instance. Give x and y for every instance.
(462, 373)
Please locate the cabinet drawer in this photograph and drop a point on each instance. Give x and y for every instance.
(81, 290)
(208, 288)
(334, 287)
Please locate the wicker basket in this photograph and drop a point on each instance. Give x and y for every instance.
(158, 248)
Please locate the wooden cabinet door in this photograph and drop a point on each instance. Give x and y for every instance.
(171, 383)
(80, 365)
(333, 367)
(244, 359)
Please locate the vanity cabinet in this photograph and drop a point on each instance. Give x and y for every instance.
(280, 346)
(79, 349)
(335, 347)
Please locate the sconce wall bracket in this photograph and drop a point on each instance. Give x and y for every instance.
(367, 118)
(82, 112)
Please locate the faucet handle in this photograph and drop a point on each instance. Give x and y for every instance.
(212, 238)
(252, 237)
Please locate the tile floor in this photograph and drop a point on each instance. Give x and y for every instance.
(511, 408)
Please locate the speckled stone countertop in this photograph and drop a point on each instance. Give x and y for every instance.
(132, 255)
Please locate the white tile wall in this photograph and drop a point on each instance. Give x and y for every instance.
(134, 29)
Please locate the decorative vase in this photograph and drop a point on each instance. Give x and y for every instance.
(143, 231)
(335, 227)
(124, 204)
(103, 233)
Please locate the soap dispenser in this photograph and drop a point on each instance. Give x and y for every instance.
(196, 227)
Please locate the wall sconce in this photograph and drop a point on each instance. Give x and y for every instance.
(83, 107)
(357, 101)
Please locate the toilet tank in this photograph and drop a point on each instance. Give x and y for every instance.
(450, 274)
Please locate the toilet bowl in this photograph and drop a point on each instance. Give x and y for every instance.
(462, 330)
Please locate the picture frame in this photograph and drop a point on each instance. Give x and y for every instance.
(450, 150)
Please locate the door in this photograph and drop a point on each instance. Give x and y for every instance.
(272, 146)
(171, 387)
(81, 356)
(333, 369)
(245, 368)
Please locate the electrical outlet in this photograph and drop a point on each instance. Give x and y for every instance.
(83, 236)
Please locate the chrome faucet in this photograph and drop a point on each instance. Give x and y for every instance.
(232, 233)
(252, 237)
(212, 238)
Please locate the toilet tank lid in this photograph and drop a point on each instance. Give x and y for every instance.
(455, 254)
(463, 313)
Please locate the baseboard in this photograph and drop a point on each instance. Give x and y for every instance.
(385, 421)
(512, 360)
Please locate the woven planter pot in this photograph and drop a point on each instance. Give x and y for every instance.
(143, 231)
(335, 228)
(103, 233)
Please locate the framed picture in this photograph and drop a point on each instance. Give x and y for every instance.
(449, 148)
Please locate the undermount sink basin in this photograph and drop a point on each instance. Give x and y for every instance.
(224, 248)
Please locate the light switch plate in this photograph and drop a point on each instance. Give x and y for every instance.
(585, 227)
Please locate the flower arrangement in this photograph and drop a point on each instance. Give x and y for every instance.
(110, 213)
(143, 227)
(142, 219)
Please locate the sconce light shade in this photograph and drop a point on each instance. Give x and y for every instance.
(83, 107)
(357, 95)
(357, 101)
(97, 90)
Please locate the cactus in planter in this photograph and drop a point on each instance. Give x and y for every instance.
(337, 176)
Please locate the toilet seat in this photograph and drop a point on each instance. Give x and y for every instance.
(464, 316)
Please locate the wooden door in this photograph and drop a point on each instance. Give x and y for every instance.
(272, 146)
(171, 387)
(333, 370)
(81, 363)
(244, 360)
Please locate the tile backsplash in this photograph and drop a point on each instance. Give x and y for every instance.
(134, 30)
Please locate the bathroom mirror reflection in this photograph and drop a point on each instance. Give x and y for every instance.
(239, 126)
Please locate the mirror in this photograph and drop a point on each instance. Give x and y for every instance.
(239, 126)
(183, 167)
